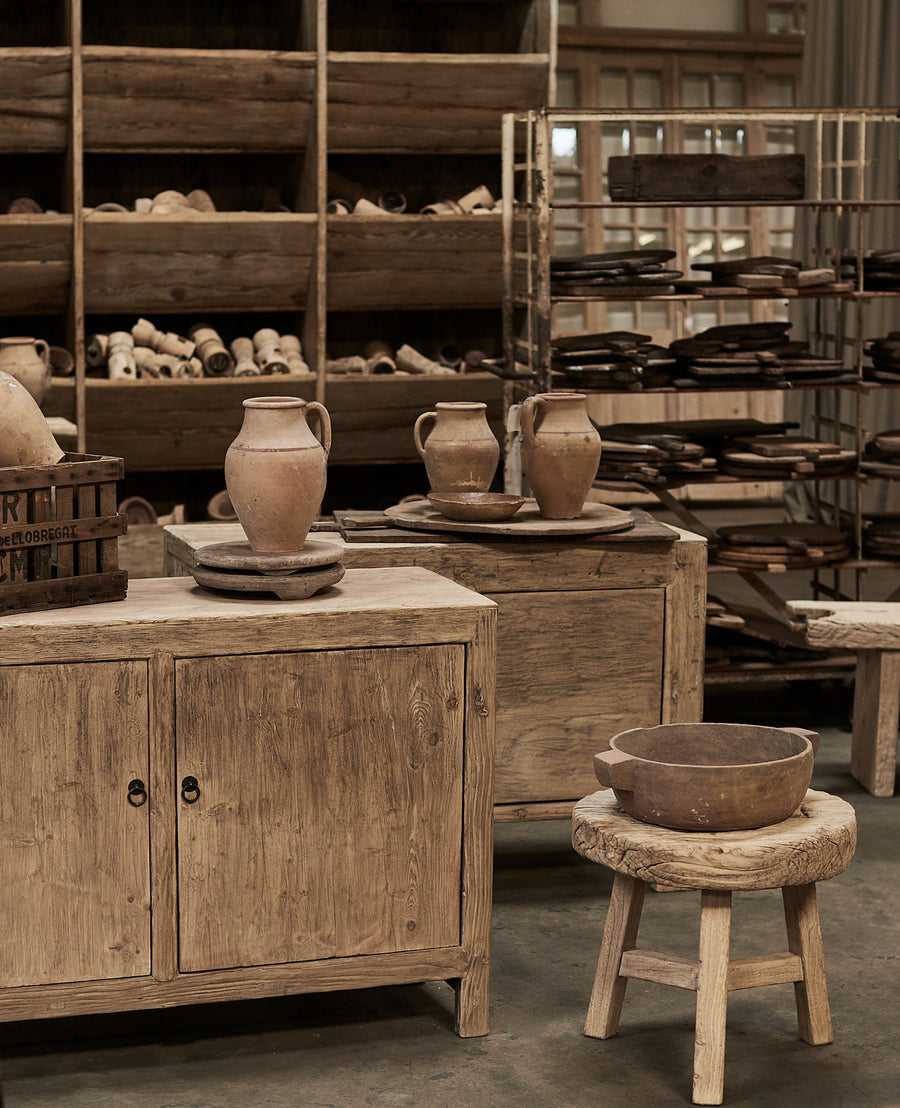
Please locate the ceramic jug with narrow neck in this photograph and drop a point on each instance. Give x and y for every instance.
(275, 470)
(28, 360)
(560, 452)
(457, 446)
(25, 435)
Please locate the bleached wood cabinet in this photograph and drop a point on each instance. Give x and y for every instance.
(208, 798)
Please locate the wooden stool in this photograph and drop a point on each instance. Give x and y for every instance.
(873, 630)
(815, 843)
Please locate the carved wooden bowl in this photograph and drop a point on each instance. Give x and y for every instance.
(476, 507)
(709, 776)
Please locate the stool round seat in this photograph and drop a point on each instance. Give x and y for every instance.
(815, 843)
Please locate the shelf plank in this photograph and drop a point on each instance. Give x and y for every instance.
(446, 103)
(35, 263)
(155, 425)
(222, 261)
(142, 99)
(34, 99)
(414, 261)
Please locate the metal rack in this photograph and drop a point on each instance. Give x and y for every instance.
(831, 223)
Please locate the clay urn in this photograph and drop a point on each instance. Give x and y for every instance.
(275, 470)
(560, 452)
(25, 435)
(457, 446)
(28, 360)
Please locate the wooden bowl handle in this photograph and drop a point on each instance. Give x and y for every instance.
(615, 769)
(813, 736)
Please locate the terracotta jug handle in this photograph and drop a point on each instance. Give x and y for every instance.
(527, 414)
(424, 418)
(43, 354)
(321, 412)
(615, 769)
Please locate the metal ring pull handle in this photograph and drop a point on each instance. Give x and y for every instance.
(190, 790)
(137, 792)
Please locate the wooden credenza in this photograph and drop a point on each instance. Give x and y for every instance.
(209, 798)
(595, 635)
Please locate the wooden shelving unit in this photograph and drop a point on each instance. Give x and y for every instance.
(252, 103)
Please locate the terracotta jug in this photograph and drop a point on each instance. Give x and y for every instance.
(28, 360)
(460, 451)
(560, 452)
(275, 471)
(25, 435)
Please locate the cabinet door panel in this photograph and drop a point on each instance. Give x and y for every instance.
(329, 819)
(74, 853)
(573, 669)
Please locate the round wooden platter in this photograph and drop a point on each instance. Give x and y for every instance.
(242, 556)
(291, 586)
(528, 522)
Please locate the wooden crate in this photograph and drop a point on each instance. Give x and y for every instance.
(59, 534)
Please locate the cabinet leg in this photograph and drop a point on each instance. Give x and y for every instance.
(472, 1001)
(712, 997)
(876, 708)
(619, 935)
(801, 914)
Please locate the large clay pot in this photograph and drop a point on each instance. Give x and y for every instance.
(560, 452)
(28, 360)
(25, 436)
(459, 451)
(275, 471)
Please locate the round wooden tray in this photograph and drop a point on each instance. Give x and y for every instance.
(291, 586)
(527, 522)
(242, 556)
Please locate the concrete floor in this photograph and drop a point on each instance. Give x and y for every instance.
(395, 1047)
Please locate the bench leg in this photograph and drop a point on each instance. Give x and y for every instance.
(801, 914)
(712, 997)
(619, 934)
(876, 708)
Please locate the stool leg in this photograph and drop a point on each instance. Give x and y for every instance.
(619, 934)
(876, 708)
(712, 997)
(801, 914)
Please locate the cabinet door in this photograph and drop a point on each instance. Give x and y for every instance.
(573, 669)
(329, 816)
(74, 853)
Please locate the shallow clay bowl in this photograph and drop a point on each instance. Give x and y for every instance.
(709, 776)
(476, 507)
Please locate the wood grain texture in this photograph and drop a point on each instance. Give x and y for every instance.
(226, 261)
(35, 99)
(35, 262)
(368, 608)
(685, 634)
(801, 915)
(330, 816)
(424, 102)
(876, 709)
(574, 670)
(176, 99)
(619, 936)
(817, 842)
(712, 997)
(472, 1000)
(74, 854)
(416, 261)
(849, 624)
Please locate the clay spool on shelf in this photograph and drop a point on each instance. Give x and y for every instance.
(216, 359)
(293, 355)
(120, 363)
(145, 334)
(268, 354)
(379, 358)
(244, 362)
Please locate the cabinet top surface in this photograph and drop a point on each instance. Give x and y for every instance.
(368, 593)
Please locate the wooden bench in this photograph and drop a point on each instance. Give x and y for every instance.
(872, 629)
(817, 842)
